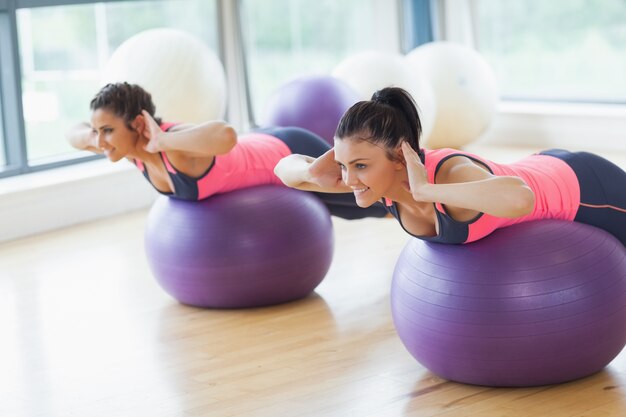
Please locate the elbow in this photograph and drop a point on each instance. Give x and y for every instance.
(74, 141)
(220, 137)
(229, 136)
(286, 172)
(524, 202)
(280, 170)
(78, 136)
(69, 138)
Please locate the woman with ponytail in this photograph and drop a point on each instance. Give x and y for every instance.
(451, 196)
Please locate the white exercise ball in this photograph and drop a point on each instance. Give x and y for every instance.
(184, 76)
(369, 71)
(466, 91)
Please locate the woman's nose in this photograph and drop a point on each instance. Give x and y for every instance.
(100, 140)
(349, 178)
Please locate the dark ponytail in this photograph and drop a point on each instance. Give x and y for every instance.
(387, 119)
(124, 100)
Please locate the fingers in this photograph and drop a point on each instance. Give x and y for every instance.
(410, 156)
(408, 151)
(150, 123)
(329, 155)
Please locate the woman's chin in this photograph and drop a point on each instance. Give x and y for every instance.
(364, 202)
(113, 156)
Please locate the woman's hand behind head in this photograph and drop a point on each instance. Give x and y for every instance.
(417, 175)
(151, 131)
(325, 171)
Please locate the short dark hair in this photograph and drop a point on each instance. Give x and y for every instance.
(124, 100)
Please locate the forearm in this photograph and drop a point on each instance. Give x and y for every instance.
(212, 138)
(81, 138)
(497, 196)
(294, 171)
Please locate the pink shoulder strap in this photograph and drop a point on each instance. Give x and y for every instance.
(166, 161)
(139, 164)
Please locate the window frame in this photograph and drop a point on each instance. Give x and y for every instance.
(12, 123)
(418, 23)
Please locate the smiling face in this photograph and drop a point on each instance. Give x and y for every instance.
(367, 169)
(113, 136)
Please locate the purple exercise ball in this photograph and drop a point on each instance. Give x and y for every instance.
(252, 247)
(537, 303)
(315, 103)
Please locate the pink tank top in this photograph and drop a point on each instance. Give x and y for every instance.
(556, 188)
(250, 162)
(557, 193)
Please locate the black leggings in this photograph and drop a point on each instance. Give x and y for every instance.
(602, 191)
(304, 142)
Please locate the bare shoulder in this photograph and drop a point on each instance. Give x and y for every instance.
(460, 168)
(189, 164)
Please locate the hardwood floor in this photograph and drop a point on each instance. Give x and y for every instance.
(87, 332)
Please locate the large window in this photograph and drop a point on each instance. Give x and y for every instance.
(288, 38)
(62, 50)
(565, 50)
(5, 47)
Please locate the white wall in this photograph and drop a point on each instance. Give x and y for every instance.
(53, 199)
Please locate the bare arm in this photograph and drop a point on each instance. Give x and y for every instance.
(83, 137)
(466, 189)
(206, 139)
(307, 173)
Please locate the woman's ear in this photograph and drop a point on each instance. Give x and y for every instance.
(139, 124)
(399, 161)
